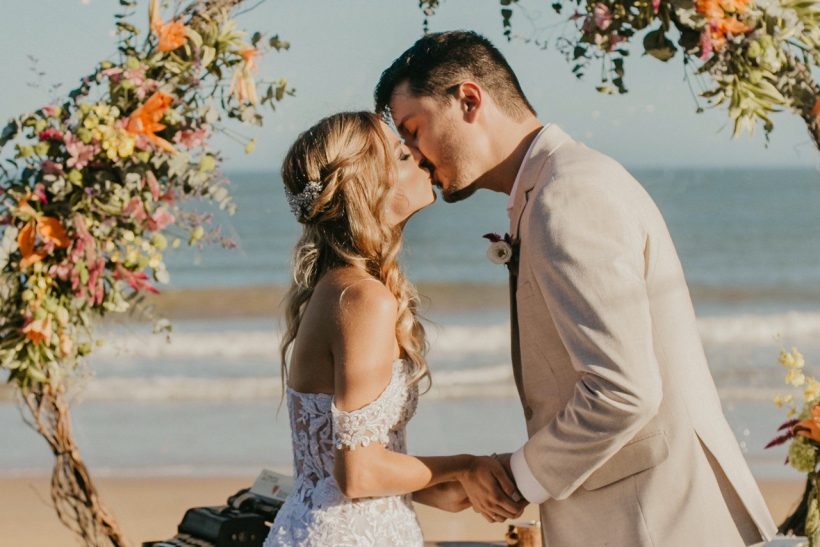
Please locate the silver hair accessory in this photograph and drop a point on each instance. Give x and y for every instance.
(302, 203)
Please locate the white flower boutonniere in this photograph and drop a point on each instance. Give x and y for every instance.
(501, 249)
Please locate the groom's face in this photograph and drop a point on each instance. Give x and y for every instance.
(439, 137)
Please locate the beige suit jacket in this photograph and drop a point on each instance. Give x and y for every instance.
(626, 431)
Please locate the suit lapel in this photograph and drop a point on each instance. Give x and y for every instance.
(532, 170)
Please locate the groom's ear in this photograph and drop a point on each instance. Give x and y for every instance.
(470, 97)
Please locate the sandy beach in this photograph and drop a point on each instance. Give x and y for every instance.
(150, 509)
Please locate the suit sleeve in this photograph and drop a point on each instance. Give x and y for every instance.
(586, 250)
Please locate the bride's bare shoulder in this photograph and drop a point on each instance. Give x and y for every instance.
(349, 291)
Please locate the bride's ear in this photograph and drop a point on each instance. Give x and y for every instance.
(470, 97)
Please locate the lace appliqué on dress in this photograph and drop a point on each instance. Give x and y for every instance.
(316, 513)
(371, 423)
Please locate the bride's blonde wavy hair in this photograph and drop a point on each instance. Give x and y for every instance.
(348, 154)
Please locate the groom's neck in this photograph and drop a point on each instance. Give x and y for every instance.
(512, 140)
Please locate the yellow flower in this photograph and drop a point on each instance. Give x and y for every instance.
(812, 390)
(159, 241)
(133, 256)
(196, 234)
(101, 110)
(781, 400)
(793, 359)
(90, 122)
(795, 377)
(117, 143)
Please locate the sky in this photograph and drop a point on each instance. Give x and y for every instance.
(339, 48)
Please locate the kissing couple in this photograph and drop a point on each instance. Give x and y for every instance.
(628, 445)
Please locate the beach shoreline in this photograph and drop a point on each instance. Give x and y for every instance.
(257, 301)
(149, 509)
(264, 301)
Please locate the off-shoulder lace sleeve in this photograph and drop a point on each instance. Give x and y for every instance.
(371, 423)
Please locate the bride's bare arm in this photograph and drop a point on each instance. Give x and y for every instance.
(363, 355)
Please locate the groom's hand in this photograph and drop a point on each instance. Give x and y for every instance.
(491, 490)
(517, 497)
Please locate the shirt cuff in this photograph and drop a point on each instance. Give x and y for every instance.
(526, 482)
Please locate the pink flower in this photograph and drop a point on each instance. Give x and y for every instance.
(136, 280)
(61, 271)
(192, 139)
(51, 134)
(79, 152)
(153, 185)
(136, 210)
(602, 15)
(168, 196)
(142, 85)
(614, 40)
(656, 6)
(95, 281)
(160, 220)
(113, 74)
(705, 44)
(136, 76)
(39, 193)
(52, 168)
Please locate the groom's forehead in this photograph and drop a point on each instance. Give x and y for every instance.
(404, 105)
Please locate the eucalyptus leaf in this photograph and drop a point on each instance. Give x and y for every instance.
(9, 131)
(658, 45)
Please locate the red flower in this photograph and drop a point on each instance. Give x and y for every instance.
(51, 134)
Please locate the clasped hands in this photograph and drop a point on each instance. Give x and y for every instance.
(486, 485)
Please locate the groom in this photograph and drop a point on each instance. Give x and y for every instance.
(628, 444)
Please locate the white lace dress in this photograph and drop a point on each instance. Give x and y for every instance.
(316, 513)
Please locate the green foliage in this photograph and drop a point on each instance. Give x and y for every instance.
(755, 57)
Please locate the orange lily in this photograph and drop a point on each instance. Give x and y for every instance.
(710, 9)
(249, 55)
(50, 230)
(145, 120)
(242, 83)
(810, 428)
(38, 331)
(734, 6)
(171, 35)
(730, 25)
(815, 111)
(720, 23)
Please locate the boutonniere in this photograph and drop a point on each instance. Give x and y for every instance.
(501, 248)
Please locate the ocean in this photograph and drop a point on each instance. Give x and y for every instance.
(207, 402)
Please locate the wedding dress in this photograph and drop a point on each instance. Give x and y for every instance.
(316, 513)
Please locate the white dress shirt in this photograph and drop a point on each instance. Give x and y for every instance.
(526, 482)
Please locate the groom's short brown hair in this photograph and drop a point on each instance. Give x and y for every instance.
(439, 62)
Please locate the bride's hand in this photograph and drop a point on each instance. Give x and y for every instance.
(447, 496)
(491, 491)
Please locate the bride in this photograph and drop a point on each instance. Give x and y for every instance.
(355, 350)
